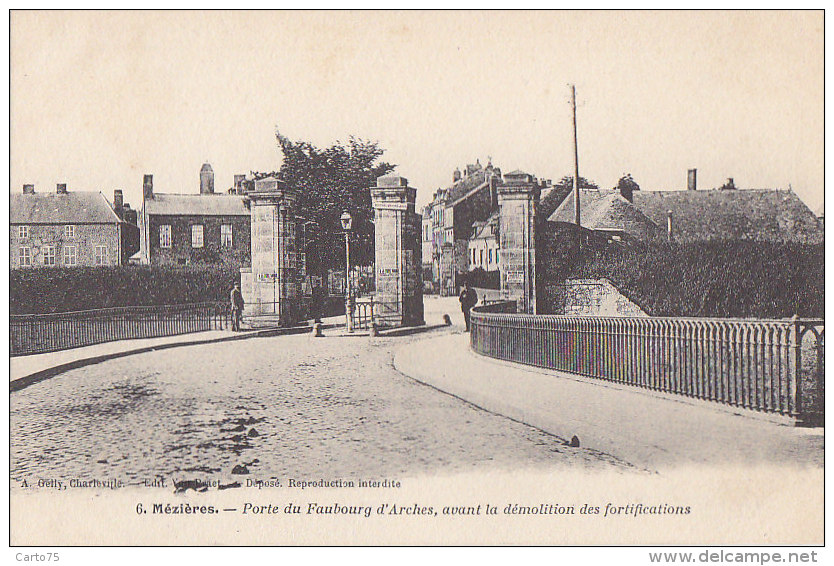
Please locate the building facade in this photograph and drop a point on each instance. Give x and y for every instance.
(452, 212)
(70, 229)
(483, 249)
(203, 228)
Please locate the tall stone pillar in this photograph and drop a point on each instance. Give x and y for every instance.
(272, 286)
(518, 197)
(399, 289)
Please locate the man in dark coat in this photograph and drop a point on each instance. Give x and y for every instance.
(237, 307)
(316, 301)
(468, 299)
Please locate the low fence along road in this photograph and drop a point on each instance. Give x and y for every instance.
(35, 334)
(773, 366)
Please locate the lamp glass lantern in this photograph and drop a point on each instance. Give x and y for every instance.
(346, 220)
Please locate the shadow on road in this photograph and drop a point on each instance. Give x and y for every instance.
(408, 331)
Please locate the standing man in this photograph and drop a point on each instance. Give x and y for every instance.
(316, 300)
(237, 307)
(468, 299)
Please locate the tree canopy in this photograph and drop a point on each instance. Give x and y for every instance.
(627, 183)
(566, 182)
(329, 182)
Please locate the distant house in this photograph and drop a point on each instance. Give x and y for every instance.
(484, 245)
(737, 214)
(203, 228)
(70, 229)
(471, 198)
(608, 213)
(694, 215)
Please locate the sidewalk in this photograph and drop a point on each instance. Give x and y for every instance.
(28, 370)
(645, 429)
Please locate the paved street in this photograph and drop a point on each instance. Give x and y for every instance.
(647, 429)
(287, 406)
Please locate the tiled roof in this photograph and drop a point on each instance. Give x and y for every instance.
(747, 214)
(484, 229)
(601, 210)
(550, 200)
(217, 204)
(54, 208)
(466, 186)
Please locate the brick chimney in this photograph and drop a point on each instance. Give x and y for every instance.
(28, 189)
(119, 202)
(61, 189)
(692, 179)
(147, 187)
(456, 176)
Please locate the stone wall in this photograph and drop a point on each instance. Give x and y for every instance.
(597, 297)
(85, 239)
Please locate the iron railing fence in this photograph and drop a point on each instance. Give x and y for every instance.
(773, 366)
(362, 314)
(35, 334)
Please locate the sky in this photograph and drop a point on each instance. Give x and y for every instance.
(99, 99)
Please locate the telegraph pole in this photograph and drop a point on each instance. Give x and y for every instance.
(575, 169)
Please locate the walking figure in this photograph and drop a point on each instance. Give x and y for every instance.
(237, 307)
(468, 299)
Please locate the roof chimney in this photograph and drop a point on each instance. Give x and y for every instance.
(118, 201)
(28, 189)
(61, 189)
(147, 187)
(206, 180)
(238, 188)
(456, 175)
(130, 215)
(692, 179)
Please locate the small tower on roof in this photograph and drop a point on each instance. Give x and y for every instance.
(206, 179)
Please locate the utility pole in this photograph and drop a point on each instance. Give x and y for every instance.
(575, 169)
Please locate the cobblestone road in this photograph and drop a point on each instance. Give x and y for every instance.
(283, 407)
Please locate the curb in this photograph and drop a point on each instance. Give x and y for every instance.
(44, 374)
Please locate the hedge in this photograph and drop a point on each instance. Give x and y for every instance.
(742, 279)
(49, 290)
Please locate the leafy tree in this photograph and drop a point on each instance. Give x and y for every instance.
(566, 183)
(328, 182)
(627, 183)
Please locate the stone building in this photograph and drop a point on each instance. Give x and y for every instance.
(203, 228)
(471, 198)
(483, 249)
(607, 213)
(693, 215)
(70, 229)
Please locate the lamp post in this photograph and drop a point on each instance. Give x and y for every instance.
(347, 223)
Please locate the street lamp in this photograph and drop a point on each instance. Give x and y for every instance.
(347, 223)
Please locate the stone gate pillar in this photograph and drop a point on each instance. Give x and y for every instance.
(398, 255)
(272, 286)
(518, 197)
